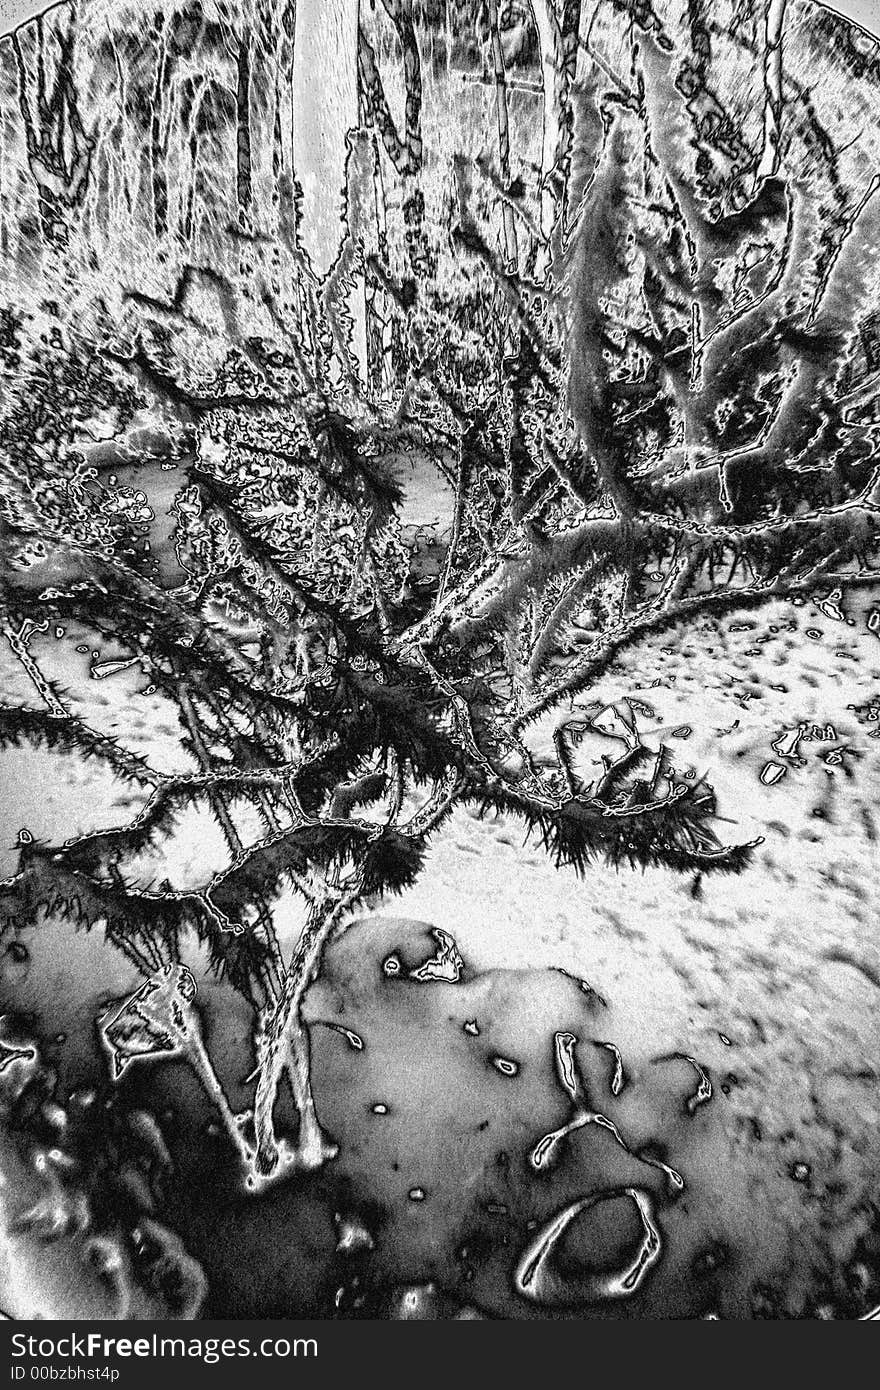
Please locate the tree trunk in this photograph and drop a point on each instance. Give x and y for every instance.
(774, 23)
(58, 150)
(511, 247)
(243, 190)
(157, 153)
(554, 146)
(400, 14)
(405, 152)
(325, 109)
(379, 309)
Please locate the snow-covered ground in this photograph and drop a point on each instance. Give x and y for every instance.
(771, 979)
(767, 981)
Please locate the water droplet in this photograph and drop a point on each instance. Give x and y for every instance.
(354, 1040)
(771, 773)
(618, 1080)
(352, 1236)
(414, 1301)
(445, 965)
(540, 1282)
(102, 669)
(10, 1054)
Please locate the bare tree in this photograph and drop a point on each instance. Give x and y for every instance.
(511, 248)
(654, 432)
(59, 150)
(768, 165)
